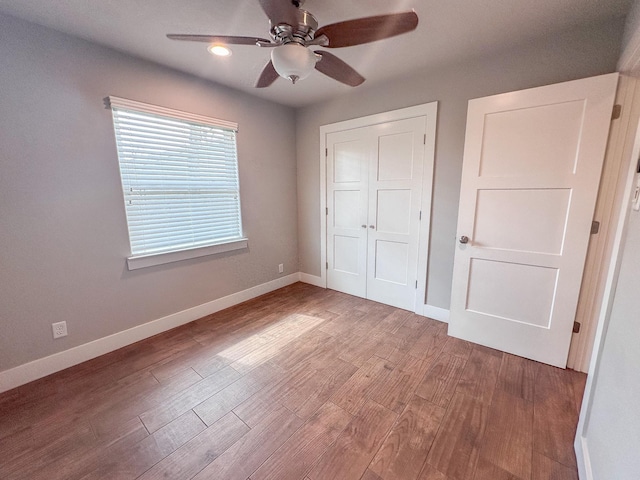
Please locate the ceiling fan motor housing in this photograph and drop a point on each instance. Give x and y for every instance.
(301, 33)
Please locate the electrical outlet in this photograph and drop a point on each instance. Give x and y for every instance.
(281, 268)
(59, 329)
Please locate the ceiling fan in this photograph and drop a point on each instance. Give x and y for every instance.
(293, 30)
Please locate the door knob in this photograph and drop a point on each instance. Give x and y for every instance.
(464, 239)
(372, 226)
(363, 226)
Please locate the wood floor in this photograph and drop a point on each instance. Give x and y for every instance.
(301, 384)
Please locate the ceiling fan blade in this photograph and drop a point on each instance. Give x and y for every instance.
(268, 76)
(368, 29)
(224, 39)
(280, 11)
(335, 68)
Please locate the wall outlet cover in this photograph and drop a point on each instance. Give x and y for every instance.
(59, 329)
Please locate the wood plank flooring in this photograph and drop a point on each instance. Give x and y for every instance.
(300, 384)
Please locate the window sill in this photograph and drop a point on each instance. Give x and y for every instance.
(143, 261)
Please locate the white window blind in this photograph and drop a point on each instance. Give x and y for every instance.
(179, 178)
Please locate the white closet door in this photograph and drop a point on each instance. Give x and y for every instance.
(395, 187)
(374, 186)
(348, 156)
(532, 165)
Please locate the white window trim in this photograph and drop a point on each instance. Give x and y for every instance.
(143, 261)
(135, 262)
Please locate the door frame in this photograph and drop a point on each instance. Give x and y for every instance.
(428, 110)
(609, 204)
(631, 147)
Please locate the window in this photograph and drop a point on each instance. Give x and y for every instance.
(180, 182)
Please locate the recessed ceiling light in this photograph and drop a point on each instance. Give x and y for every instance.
(219, 50)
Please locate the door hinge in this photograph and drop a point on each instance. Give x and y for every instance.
(326, 152)
(326, 211)
(617, 111)
(424, 139)
(576, 327)
(327, 266)
(595, 227)
(420, 216)
(416, 283)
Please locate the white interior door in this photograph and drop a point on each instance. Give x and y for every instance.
(374, 187)
(348, 156)
(395, 187)
(532, 165)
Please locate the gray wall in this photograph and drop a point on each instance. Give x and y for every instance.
(63, 233)
(632, 24)
(575, 54)
(613, 428)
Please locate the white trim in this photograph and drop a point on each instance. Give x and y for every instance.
(323, 205)
(142, 261)
(311, 279)
(126, 104)
(42, 367)
(583, 459)
(437, 313)
(383, 117)
(430, 110)
(425, 207)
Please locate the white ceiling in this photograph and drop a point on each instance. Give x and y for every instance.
(449, 31)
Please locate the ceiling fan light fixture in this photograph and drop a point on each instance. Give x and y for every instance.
(219, 50)
(293, 30)
(293, 61)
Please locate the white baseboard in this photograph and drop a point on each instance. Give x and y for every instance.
(42, 367)
(437, 313)
(311, 279)
(583, 459)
